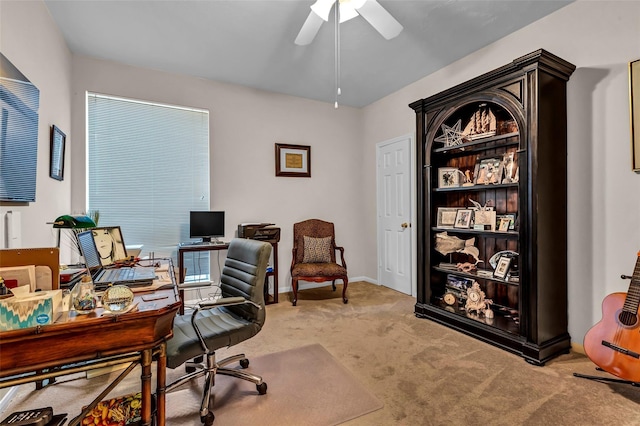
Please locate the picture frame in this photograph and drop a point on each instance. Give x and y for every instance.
(504, 224)
(446, 217)
(57, 145)
(463, 218)
(489, 170)
(510, 216)
(449, 177)
(293, 160)
(502, 267)
(634, 113)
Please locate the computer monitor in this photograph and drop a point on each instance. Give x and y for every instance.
(206, 225)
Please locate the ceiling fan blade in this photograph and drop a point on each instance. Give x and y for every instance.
(380, 19)
(309, 29)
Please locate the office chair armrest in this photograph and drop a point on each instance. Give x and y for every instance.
(226, 301)
(341, 250)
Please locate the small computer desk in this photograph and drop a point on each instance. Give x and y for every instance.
(183, 248)
(76, 343)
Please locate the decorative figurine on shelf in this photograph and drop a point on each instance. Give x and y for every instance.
(466, 267)
(482, 124)
(451, 136)
(476, 301)
(468, 178)
(509, 165)
(484, 216)
(447, 244)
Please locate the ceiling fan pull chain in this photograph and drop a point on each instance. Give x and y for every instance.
(337, 51)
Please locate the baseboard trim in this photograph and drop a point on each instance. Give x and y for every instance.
(577, 347)
(310, 284)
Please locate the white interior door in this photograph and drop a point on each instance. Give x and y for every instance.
(394, 213)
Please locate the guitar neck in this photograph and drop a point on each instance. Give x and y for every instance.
(632, 300)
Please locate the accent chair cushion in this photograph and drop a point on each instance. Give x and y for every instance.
(318, 270)
(317, 250)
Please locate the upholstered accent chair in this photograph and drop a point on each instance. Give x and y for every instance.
(314, 256)
(237, 316)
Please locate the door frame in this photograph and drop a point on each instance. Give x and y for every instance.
(412, 202)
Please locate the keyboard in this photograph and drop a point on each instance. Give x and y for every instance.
(121, 274)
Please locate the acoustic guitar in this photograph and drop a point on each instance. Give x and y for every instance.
(613, 344)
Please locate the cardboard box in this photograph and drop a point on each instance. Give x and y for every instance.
(30, 310)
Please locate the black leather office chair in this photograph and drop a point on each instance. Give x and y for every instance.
(237, 316)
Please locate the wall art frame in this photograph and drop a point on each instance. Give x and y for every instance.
(58, 142)
(634, 113)
(293, 160)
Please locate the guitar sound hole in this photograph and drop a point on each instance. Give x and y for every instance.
(627, 318)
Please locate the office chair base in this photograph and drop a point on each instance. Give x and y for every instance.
(209, 370)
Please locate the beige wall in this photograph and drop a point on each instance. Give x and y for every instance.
(600, 38)
(244, 126)
(32, 42)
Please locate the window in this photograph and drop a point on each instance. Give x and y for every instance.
(148, 167)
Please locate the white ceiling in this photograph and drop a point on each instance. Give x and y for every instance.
(251, 43)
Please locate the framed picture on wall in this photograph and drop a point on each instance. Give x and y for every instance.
(293, 160)
(58, 141)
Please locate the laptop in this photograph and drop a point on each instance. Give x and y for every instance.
(110, 244)
(129, 276)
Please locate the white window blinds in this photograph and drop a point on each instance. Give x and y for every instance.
(148, 167)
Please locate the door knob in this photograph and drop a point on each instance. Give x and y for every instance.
(405, 225)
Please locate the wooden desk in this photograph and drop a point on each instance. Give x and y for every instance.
(76, 343)
(182, 249)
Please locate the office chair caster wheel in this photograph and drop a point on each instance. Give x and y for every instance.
(208, 419)
(244, 363)
(262, 388)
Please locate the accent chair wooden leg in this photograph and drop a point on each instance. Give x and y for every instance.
(344, 291)
(294, 285)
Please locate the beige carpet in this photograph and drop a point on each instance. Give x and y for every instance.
(427, 374)
(306, 386)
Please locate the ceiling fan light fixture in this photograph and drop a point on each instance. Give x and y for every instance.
(322, 8)
(347, 12)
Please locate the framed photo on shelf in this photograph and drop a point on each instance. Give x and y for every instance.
(58, 141)
(293, 160)
(449, 177)
(511, 217)
(489, 171)
(503, 226)
(502, 267)
(463, 218)
(446, 217)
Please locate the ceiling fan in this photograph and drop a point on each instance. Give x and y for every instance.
(370, 10)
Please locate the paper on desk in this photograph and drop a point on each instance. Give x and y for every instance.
(25, 275)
